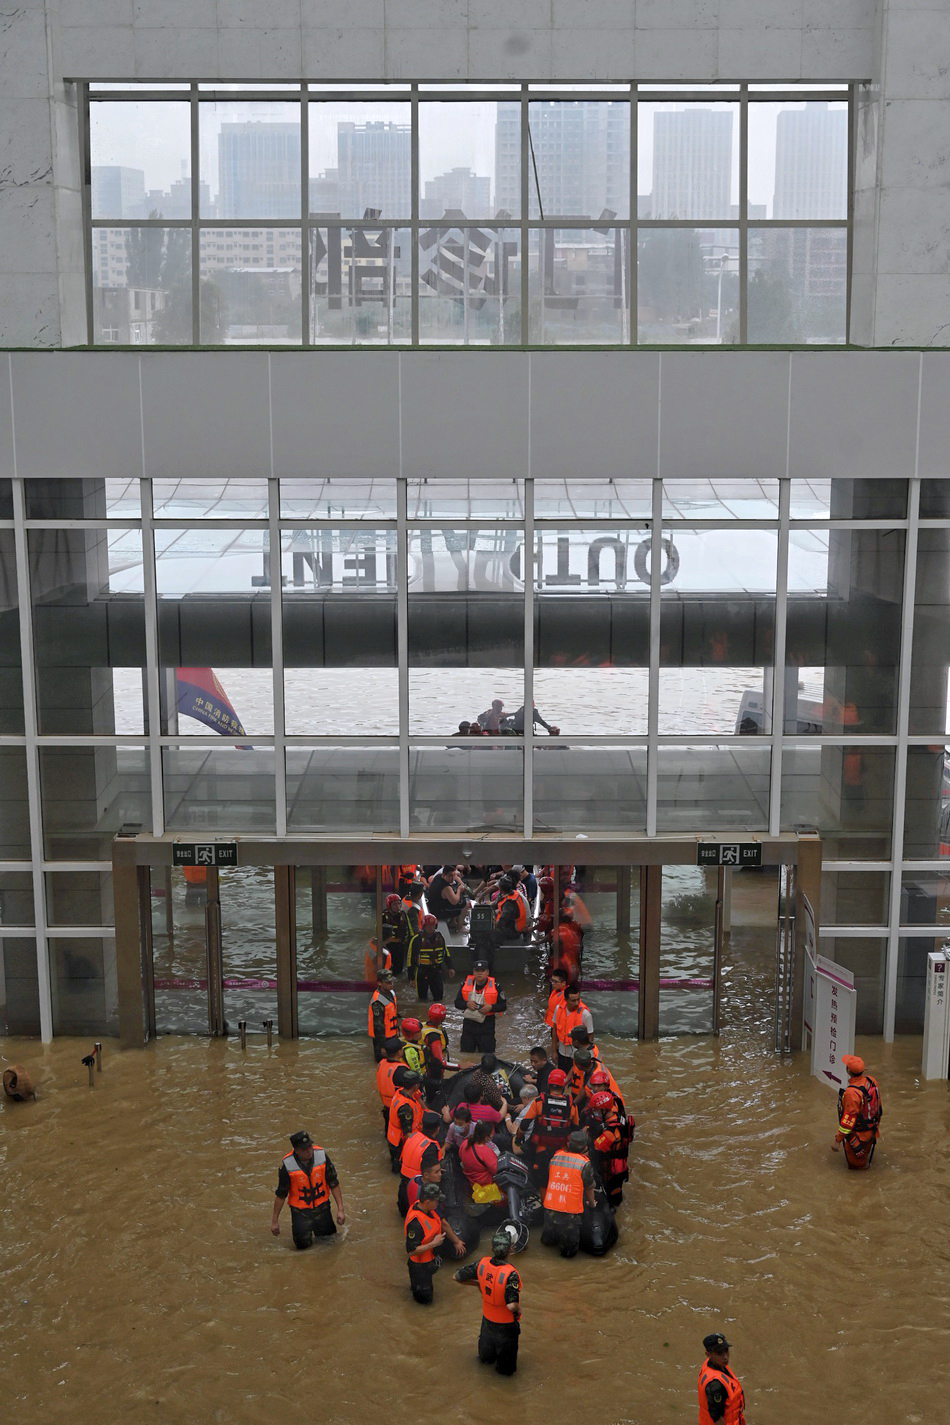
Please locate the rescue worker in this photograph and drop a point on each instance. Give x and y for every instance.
(375, 960)
(584, 1067)
(420, 1150)
(435, 1051)
(500, 1286)
(385, 1070)
(570, 1189)
(480, 999)
(511, 913)
(567, 944)
(608, 1143)
(572, 1013)
(405, 1111)
(721, 1397)
(546, 1126)
(383, 1019)
(308, 1179)
(556, 997)
(413, 1057)
(412, 915)
(432, 1174)
(859, 1115)
(395, 932)
(425, 1232)
(428, 952)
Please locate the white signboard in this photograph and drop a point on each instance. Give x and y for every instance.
(936, 1054)
(833, 1034)
(811, 972)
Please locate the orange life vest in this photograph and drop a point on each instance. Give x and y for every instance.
(384, 1080)
(394, 1133)
(555, 998)
(521, 919)
(489, 990)
(431, 1224)
(308, 1187)
(414, 1150)
(735, 1398)
(553, 1121)
(567, 1019)
(492, 1281)
(369, 962)
(565, 1190)
(390, 1017)
(196, 875)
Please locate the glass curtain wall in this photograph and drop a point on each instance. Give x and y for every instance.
(693, 656)
(468, 215)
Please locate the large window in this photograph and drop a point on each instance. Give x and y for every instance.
(498, 215)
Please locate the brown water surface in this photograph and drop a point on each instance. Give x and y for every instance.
(141, 1282)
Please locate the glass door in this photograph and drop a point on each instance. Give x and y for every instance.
(179, 909)
(246, 913)
(691, 919)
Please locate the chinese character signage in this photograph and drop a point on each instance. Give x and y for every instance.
(936, 1048)
(834, 1011)
(729, 853)
(210, 853)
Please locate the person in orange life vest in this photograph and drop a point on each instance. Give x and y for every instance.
(480, 999)
(546, 1126)
(432, 1174)
(511, 912)
(478, 1156)
(500, 1286)
(420, 1150)
(385, 1071)
(428, 952)
(570, 1189)
(607, 1135)
(425, 1233)
(375, 960)
(308, 1179)
(383, 1012)
(405, 877)
(602, 1080)
(395, 932)
(721, 1397)
(572, 1013)
(405, 1111)
(859, 1114)
(556, 997)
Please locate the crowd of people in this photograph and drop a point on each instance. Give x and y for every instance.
(495, 722)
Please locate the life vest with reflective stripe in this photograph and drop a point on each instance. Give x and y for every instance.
(553, 1124)
(414, 1150)
(431, 1224)
(521, 907)
(412, 1056)
(394, 927)
(394, 1132)
(384, 1080)
(565, 1190)
(488, 991)
(871, 1110)
(435, 1068)
(427, 948)
(735, 1397)
(390, 1016)
(412, 910)
(492, 1281)
(567, 1019)
(308, 1186)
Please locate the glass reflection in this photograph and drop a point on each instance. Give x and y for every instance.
(706, 788)
(467, 788)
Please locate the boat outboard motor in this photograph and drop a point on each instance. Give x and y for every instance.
(524, 1205)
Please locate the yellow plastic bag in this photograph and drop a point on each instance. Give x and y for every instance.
(487, 1192)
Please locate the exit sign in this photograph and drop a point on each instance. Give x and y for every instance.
(208, 853)
(729, 853)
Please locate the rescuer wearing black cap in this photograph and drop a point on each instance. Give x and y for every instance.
(480, 999)
(720, 1395)
(308, 1179)
(500, 1286)
(425, 1233)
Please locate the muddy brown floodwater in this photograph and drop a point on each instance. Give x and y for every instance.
(140, 1280)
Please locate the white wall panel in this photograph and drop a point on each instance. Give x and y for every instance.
(724, 418)
(77, 414)
(464, 413)
(6, 419)
(853, 413)
(206, 413)
(336, 414)
(594, 413)
(934, 454)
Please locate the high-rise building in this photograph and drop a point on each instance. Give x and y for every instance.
(458, 191)
(258, 170)
(579, 158)
(374, 167)
(811, 162)
(117, 192)
(692, 163)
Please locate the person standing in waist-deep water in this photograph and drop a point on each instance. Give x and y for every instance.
(720, 1395)
(570, 1189)
(500, 1286)
(428, 952)
(395, 932)
(859, 1114)
(383, 1013)
(517, 721)
(308, 1179)
(480, 999)
(425, 1233)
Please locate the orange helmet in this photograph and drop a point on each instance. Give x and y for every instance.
(393, 902)
(598, 1079)
(411, 1026)
(429, 922)
(601, 1101)
(437, 1013)
(557, 1078)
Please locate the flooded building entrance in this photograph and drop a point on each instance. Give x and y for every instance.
(278, 935)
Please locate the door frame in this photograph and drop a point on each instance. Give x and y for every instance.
(134, 858)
